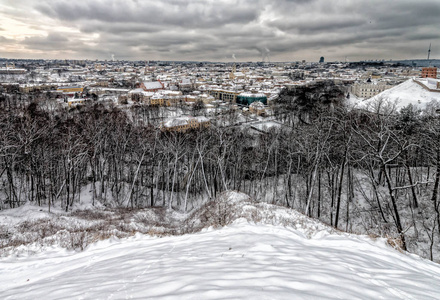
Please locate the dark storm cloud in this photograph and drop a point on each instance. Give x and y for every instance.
(214, 30)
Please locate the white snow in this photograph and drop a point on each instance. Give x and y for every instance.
(152, 85)
(240, 261)
(266, 125)
(408, 92)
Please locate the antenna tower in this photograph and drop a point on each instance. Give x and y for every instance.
(429, 50)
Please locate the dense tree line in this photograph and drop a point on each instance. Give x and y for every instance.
(372, 172)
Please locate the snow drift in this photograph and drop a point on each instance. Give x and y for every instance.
(284, 255)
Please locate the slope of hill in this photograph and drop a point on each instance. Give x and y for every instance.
(401, 95)
(284, 255)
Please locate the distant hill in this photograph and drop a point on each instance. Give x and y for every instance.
(417, 62)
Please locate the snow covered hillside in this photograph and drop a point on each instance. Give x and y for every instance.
(264, 252)
(242, 261)
(408, 92)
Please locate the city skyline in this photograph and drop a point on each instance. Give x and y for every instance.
(241, 30)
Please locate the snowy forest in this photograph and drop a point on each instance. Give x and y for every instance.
(373, 172)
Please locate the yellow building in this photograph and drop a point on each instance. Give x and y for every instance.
(70, 89)
(157, 100)
(74, 102)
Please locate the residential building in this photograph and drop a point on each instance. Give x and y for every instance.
(429, 72)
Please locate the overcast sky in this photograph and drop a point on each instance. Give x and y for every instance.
(220, 30)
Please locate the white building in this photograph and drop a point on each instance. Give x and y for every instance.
(368, 90)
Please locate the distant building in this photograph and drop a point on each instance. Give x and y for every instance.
(257, 108)
(321, 60)
(99, 67)
(157, 100)
(236, 75)
(27, 88)
(12, 71)
(182, 124)
(225, 95)
(429, 72)
(75, 101)
(376, 75)
(70, 89)
(368, 90)
(186, 84)
(139, 95)
(249, 98)
(152, 86)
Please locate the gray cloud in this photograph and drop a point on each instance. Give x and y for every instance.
(52, 41)
(212, 30)
(5, 40)
(177, 13)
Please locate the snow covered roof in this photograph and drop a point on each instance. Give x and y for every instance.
(171, 93)
(254, 95)
(430, 82)
(136, 91)
(257, 105)
(157, 96)
(176, 122)
(147, 94)
(152, 85)
(69, 87)
(184, 120)
(186, 81)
